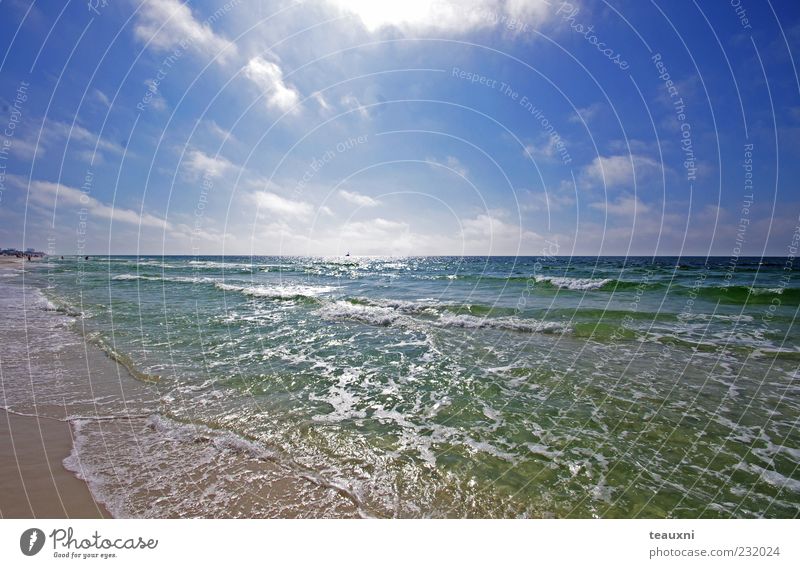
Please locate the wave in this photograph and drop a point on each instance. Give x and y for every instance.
(215, 265)
(278, 292)
(386, 315)
(405, 306)
(574, 283)
(523, 325)
(778, 353)
(370, 315)
(44, 303)
(166, 279)
(197, 446)
(471, 277)
(56, 305)
(122, 359)
(556, 282)
(290, 291)
(155, 263)
(748, 294)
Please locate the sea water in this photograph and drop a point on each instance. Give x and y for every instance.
(420, 387)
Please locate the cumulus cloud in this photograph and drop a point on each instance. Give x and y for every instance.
(50, 194)
(198, 163)
(169, 24)
(277, 205)
(358, 198)
(378, 236)
(56, 136)
(547, 148)
(547, 201)
(588, 113)
(55, 131)
(448, 16)
(375, 228)
(619, 170)
(219, 132)
(625, 205)
(268, 77)
(453, 163)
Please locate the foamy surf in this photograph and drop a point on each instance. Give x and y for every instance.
(387, 312)
(207, 470)
(574, 283)
(277, 291)
(382, 370)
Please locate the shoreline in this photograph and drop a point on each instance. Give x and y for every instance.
(33, 480)
(93, 411)
(201, 445)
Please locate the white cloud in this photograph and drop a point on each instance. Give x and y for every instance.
(56, 135)
(219, 132)
(52, 194)
(101, 96)
(378, 227)
(198, 163)
(546, 201)
(625, 205)
(449, 16)
(377, 236)
(492, 232)
(278, 205)
(452, 163)
(168, 23)
(587, 114)
(547, 150)
(529, 10)
(351, 102)
(323, 104)
(157, 101)
(75, 133)
(358, 198)
(488, 225)
(268, 77)
(618, 170)
(24, 148)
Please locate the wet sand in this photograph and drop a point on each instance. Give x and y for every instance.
(33, 481)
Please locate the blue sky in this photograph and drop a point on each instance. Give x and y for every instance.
(474, 127)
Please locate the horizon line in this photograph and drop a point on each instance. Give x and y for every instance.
(107, 255)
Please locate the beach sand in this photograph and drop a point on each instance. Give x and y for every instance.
(33, 481)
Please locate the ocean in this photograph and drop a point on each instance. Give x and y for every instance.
(415, 387)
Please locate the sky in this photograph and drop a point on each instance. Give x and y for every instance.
(477, 127)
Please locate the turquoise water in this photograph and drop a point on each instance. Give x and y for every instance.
(482, 387)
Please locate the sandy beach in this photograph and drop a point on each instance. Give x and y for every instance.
(33, 481)
(6, 261)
